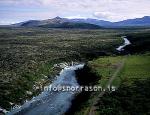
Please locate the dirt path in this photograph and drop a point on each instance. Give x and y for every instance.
(94, 107)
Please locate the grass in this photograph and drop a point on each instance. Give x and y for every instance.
(105, 67)
(136, 67)
(130, 83)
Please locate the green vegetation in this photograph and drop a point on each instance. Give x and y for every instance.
(105, 67)
(135, 67)
(140, 40)
(27, 56)
(132, 83)
(72, 25)
(132, 97)
(127, 100)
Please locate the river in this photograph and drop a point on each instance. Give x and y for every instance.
(52, 102)
(126, 42)
(56, 102)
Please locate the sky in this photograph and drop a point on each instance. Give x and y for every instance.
(13, 11)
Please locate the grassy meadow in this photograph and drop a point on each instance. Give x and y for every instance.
(132, 83)
(132, 95)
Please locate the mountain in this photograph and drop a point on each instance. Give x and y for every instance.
(36, 23)
(29, 23)
(58, 22)
(145, 21)
(93, 21)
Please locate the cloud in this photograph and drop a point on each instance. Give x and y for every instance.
(6, 22)
(112, 10)
(117, 10)
(75, 16)
(103, 15)
(110, 16)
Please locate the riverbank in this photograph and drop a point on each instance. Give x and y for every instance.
(127, 77)
(27, 57)
(88, 77)
(85, 77)
(51, 101)
(125, 82)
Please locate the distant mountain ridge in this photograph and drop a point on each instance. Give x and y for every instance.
(58, 22)
(145, 21)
